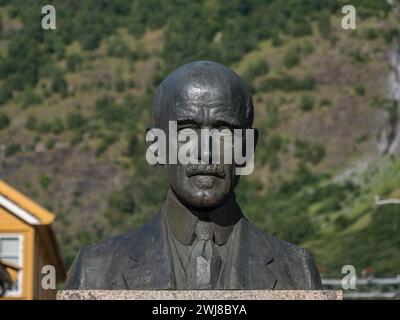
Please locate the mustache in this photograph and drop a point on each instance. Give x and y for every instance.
(205, 169)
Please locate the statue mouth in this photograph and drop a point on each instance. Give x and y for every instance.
(205, 170)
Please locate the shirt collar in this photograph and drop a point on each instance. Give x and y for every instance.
(182, 222)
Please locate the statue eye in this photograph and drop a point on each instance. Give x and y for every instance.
(224, 131)
(188, 131)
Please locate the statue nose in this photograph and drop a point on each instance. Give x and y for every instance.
(205, 150)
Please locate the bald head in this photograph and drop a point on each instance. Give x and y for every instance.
(204, 92)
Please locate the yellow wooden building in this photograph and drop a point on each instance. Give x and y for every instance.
(27, 243)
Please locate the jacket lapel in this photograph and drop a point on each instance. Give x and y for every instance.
(149, 263)
(253, 260)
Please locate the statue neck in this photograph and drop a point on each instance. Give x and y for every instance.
(225, 214)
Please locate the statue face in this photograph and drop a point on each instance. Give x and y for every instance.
(207, 184)
(202, 95)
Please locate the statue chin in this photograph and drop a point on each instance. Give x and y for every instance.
(204, 197)
(202, 191)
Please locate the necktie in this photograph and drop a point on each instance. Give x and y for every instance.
(204, 262)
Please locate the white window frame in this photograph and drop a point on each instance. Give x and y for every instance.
(16, 293)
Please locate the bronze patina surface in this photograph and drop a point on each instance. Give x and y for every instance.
(200, 238)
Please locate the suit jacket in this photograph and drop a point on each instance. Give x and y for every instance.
(141, 259)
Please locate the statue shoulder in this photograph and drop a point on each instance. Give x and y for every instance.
(302, 268)
(89, 269)
(93, 263)
(297, 262)
(301, 264)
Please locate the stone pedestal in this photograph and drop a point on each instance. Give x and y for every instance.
(200, 295)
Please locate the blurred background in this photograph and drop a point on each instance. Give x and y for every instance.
(75, 102)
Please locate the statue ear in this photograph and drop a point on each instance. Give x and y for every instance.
(148, 128)
(156, 145)
(256, 133)
(244, 145)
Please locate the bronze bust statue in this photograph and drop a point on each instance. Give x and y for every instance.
(200, 238)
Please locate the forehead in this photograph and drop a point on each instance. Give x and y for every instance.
(205, 104)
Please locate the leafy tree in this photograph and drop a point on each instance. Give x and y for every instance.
(31, 122)
(255, 68)
(75, 121)
(59, 85)
(30, 98)
(287, 83)
(118, 48)
(292, 57)
(44, 181)
(5, 93)
(4, 120)
(57, 126)
(306, 103)
(359, 90)
(324, 24)
(12, 149)
(122, 201)
(309, 152)
(73, 62)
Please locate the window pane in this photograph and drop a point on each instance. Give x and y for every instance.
(9, 247)
(13, 261)
(9, 253)
(15, 286)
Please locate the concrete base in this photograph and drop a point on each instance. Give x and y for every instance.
(199, 295)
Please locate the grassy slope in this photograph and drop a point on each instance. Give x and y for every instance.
(370, 235)
(79, 182)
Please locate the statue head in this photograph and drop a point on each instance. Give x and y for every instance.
(203, 95)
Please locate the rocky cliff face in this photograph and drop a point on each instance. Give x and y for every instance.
(390, 141)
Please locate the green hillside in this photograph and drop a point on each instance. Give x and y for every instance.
(75, 103)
